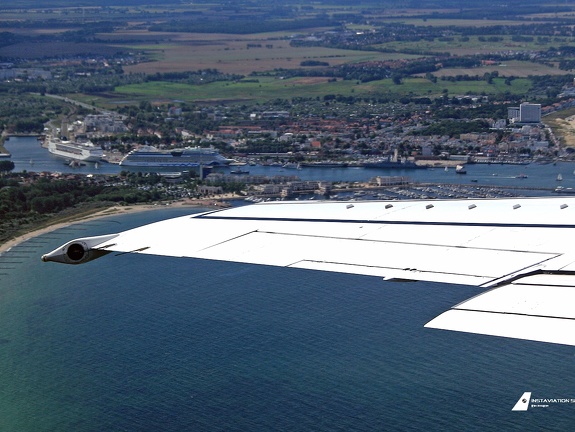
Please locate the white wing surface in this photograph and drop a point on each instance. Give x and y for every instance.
(518, 249)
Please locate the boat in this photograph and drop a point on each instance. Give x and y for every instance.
(77, 150)
(460, 169)
(291, 165)
(239, 171)
(74, 163)
(150, 156)
(391, 164)
(559, 177)
(564, 190)
(521, 176)
(324, 164)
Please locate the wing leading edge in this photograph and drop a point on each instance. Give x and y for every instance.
(519, 248)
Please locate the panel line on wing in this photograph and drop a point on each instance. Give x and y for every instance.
(513, 313)
(375, 240)
(406, 269)
(548, 279)
(389, 222)
(228, 240)
(521, 273)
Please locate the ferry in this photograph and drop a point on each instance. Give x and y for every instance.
(150, 156)
(77, 150)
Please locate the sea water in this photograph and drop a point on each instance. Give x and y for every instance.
(143, 343)
(29, 155)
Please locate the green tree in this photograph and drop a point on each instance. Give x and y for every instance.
(6, 166)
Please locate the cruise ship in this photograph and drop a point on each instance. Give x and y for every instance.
(77, 150)
(149, 156)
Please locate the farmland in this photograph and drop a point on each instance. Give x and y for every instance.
(114, 55)
(243, 55)
(266, 88)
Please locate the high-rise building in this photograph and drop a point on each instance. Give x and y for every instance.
(529, 113)
(525, 113)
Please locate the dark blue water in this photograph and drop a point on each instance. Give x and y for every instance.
(137, 343)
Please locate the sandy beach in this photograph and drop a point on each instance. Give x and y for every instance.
(102, 213)
(110, 211)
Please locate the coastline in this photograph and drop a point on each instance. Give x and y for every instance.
(109, 211)
(5, 247)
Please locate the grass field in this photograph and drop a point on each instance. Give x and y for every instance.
(515, 68)
(262, 52)
(269, 88)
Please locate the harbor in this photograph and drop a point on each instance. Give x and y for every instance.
(480, 180)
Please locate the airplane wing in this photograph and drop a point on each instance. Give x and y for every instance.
(519, 250)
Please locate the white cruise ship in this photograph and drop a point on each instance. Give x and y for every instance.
(83, 151)
(149, 156)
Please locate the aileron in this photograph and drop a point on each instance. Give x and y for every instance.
(537, 307)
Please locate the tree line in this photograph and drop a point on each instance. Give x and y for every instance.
(35, 199)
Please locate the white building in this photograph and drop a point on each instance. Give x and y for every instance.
(513, 114)
(529, 113)
(525, 113)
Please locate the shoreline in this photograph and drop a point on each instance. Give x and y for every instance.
(109, 211)
(5, 247)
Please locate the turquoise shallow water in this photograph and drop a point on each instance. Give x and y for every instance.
(136, 343)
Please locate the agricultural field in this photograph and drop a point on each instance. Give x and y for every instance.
(267, 88)
(304, 43)
(474, 45)
(242, 55)
(446, 22)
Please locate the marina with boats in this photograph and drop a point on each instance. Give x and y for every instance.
(481, 179)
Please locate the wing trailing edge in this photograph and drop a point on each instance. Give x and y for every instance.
(522, 246)
(536, 307)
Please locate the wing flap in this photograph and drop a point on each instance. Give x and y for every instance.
(540, 329)
(377, 258)
(537, 307)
